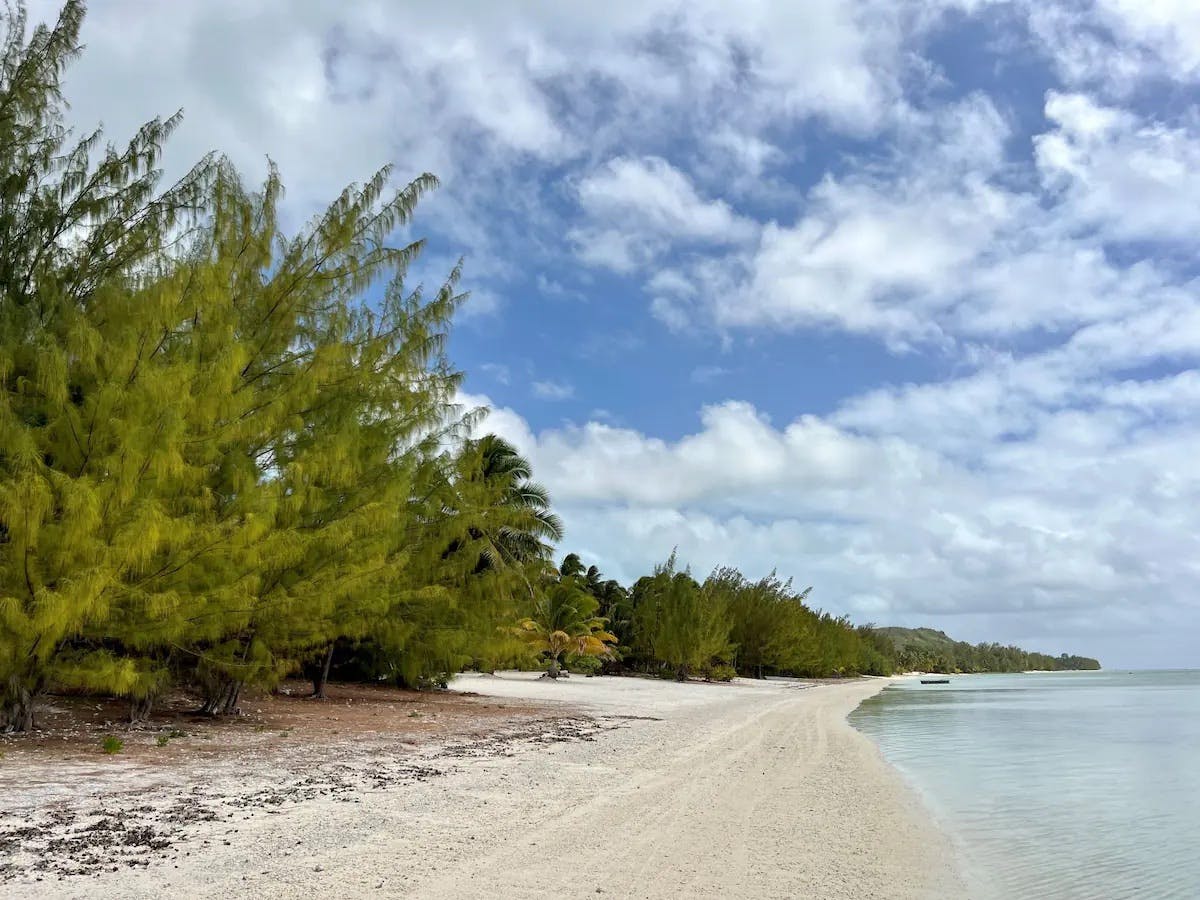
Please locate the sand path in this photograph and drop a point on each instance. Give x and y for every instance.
(754, 790)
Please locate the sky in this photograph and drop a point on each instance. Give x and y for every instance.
(895, 297)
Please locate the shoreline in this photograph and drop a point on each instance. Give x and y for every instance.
(658, 789)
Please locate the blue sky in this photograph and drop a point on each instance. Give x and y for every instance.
(896, 297)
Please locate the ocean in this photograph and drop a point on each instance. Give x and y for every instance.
(1056, 785)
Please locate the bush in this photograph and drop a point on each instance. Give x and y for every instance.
(162, 740)
(111, 744)
(720, 672)
(584, 665)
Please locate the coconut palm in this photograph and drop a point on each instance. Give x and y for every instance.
(564, 620)
(514, 526)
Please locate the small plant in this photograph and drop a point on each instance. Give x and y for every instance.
(414, 715)
(584, 665)
(111, 744)
(162, 740)
(176, 733)
(720, 672)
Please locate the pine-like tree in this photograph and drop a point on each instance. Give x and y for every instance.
(85, 239)
(679, 623)
(221, 446)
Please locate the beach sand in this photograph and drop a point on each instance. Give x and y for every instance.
(626, 788)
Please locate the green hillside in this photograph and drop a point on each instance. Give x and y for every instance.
(929, 650)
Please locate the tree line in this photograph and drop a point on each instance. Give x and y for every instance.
(231, 451)
(669, 623)
(927, 650)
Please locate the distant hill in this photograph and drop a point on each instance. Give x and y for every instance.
(925, 638)
(930, 650)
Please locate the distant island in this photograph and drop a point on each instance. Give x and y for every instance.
(929, 650)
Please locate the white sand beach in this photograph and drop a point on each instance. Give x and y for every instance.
(743, 790)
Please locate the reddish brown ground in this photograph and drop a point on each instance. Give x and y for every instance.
(74, 727)
(71, 809)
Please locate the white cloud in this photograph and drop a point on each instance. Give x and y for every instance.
(639, 208)
(877, 255)
(332, 91)
(652, 196)
(1170, 29)
(1119, 45)
(553, 390)
(1134, 180)
(1068, 514)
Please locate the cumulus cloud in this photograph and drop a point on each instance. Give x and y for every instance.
(1119, 42)
(640, 208)
(1069, 515)
(1135, 180)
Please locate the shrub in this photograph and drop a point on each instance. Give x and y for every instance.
(584, 665)
(720, 672)
(111, 744)
(162, 740)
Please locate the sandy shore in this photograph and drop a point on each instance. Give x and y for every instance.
(657, 790)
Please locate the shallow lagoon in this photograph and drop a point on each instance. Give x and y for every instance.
(1071, 785)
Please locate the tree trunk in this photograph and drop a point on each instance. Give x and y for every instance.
(140, 709)
(553, 670)
(321, 678)
(16, 707)
(223, 700)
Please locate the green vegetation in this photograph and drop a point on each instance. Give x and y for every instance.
(668, 623)
(230, 453)
(564, 620)
(926, 650)
(112, 744)
(227, 451)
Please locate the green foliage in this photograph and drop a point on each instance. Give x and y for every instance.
(225, 447)
(563, 619)
(584, 664)
(112, 744)
(668, 623)
(678, 623)
(162, 740)
(927, 650)
(720, 672)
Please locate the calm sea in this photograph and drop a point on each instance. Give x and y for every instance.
(1063, 785)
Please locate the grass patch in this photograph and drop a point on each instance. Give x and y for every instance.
(111, 744)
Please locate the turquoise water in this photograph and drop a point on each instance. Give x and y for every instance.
(1062, 785)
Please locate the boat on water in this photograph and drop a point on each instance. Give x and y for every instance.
(935, 681)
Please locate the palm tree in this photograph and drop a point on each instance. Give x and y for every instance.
(564, 619)
(518, 526)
